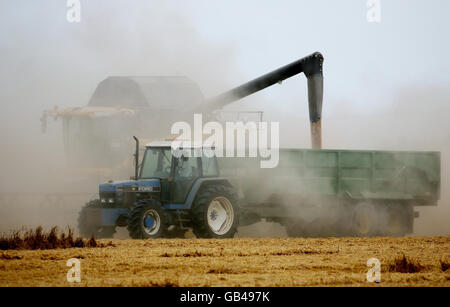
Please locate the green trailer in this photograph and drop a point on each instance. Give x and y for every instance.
(329, 192)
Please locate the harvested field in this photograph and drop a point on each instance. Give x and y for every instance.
(411, 261)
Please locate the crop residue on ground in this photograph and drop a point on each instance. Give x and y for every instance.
(410, 261)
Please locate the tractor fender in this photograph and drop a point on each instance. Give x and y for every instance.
(201, 182)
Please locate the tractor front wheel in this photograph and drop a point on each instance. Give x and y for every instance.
(147, 220)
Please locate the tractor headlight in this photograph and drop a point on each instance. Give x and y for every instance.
(107, 200)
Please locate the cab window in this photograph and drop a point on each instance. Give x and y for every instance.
(186, 171)
(187, 168)
(157, 163)
(209, 167)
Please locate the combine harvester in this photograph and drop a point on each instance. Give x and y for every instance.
(96, 137)
(312, 192)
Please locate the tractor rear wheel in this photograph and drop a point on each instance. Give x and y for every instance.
(215, 212)
(147, 220)
(87, 229)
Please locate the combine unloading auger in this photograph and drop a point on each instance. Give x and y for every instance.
(311, 66)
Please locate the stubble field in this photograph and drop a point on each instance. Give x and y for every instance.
(236, 262)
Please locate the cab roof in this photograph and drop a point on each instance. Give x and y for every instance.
(169, 144)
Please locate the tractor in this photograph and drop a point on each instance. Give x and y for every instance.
(168, 196)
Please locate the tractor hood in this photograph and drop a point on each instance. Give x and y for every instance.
(147, 185)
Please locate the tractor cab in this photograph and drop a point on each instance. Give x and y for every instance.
(177, 173)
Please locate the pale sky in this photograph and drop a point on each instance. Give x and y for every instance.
(46, 60)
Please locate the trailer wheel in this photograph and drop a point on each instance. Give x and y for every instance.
(365, 220)
(215, 212)
(87, 230)
(147, 220)
(398, 220)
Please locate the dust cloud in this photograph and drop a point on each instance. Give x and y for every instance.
(415, 119)
(47, 61)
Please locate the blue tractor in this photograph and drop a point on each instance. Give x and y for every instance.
(168, 196)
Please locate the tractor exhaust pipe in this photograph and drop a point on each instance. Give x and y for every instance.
(136, 159)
